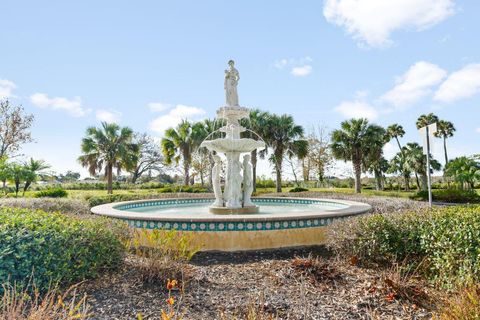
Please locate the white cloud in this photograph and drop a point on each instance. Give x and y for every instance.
(158, 106)
(174, 117)
(73, 107)
(301, 71)
(460, 84)
(6, 88)
(357, 109)
(390, 150)
(300, 67)
(478, 130)
(108, 116)
(371, 22)
(414, 84)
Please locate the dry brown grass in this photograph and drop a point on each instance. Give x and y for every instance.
(465, 305)
(48, 306)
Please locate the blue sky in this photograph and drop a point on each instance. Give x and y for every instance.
(147, 64)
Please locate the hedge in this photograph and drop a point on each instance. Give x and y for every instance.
(56, 248)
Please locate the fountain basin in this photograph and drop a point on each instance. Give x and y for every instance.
(282, 222)
(225, 145)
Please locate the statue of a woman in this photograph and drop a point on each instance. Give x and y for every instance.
(247, 182)
(231, 80)
(217, 189)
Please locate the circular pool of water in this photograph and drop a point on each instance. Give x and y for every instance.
(281, 222)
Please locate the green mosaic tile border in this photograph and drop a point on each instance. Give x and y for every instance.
(218, 226)
(259, 201)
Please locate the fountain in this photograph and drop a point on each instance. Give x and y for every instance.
(234, 200)
(226, 222)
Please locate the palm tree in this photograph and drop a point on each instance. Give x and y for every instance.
(425, 120)
(256, 123)
(286, 139)
(394, 131)
(465, 171)
(33, 167)
(108, 147)
(416, 161)
(397, 164)
(180, 143)
(355, 140)
(445, 129)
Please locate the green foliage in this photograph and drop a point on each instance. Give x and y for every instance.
(55, 248)
(449, 196)
(298, 189)
(51, 193)
(265, 183)
(465, 171)
(444, 242)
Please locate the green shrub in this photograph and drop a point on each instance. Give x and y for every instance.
(298, 189)
(56, 248)
(449, 196)
(51, 193)
(444, 242)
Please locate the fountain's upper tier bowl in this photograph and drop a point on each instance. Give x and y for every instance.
(233, 145)
(233, 113)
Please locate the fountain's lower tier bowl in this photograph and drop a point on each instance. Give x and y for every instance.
(281, 222)
(225, 210)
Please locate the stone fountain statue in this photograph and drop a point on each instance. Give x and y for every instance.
(231, 81)
(234, 199)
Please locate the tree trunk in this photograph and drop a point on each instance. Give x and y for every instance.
(4, 186)
(418, 182)
(445, 149)
(278, 169)
(109, 179)
(378, 180)
(357, 169)
(399, 146)
(186, 173)
(407, 182)
(424, 182)
(202, 182)
(253, 159)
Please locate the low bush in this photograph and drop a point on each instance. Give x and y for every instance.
(449, 196)
(163, 254)
(51, 193)
(444, 243)
(67, 206)
(298, 189)
(45, 249)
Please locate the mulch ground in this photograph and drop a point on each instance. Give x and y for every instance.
(287, 284)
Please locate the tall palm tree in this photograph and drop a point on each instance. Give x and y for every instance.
(416, 161)
(286, 139)
(33, 167)
(180, 143)
(394, 131)
(445, 129)
(355, 140)
(258, 124)
(108, 147)
(426, 119)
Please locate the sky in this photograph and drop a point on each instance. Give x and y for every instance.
(148, 64)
